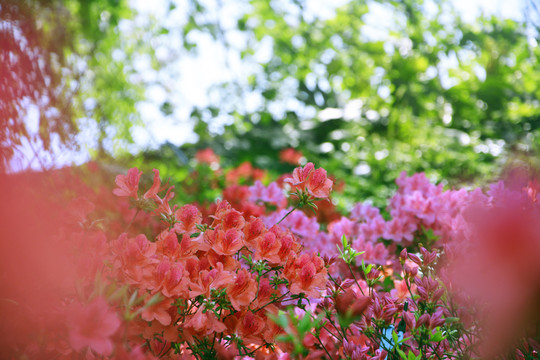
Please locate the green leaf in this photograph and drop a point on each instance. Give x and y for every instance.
(284, 338)
(395, 338)
(281, 319)
(304, 325)
(438, 336)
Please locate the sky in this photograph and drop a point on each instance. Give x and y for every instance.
(188, 79)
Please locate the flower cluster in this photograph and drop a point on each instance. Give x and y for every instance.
(254, 274)
(223, 277)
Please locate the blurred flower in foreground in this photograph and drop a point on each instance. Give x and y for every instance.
(92, 325)
(496, 268)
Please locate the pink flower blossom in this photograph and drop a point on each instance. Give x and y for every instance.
(365, 212)
(272, 194)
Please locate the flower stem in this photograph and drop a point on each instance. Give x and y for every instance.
(410, 293)
(289, 213)
(356, 281)
(132, 219)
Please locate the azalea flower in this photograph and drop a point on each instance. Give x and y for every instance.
(319, 185)
(128, 185)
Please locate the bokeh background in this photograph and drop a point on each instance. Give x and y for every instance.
(365, 89)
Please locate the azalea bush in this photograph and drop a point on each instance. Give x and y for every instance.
(251, 266)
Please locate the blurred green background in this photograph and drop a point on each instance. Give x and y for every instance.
(366, 89)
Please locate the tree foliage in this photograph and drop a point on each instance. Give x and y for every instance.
(57, 57)
(429, 92)
(368, 90)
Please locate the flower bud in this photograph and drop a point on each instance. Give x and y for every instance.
(438, 294)
(349, 304)
(409, 320)
(436, 320)
(410, 271)
(403, 256)
(347, 283)
(415, 259)
(422, 320)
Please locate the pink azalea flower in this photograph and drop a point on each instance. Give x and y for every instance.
(365, 212)
(298, 222)
(271, 194)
